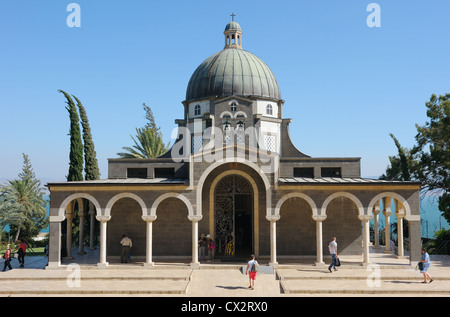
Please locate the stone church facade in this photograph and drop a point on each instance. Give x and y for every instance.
(233, 173)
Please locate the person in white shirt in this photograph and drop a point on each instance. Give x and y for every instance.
(332, 247)
(126, 246)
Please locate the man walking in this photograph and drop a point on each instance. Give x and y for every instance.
(21, 252)
(332, 247)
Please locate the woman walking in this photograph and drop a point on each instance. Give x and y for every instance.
(7, 257)
(425, 260)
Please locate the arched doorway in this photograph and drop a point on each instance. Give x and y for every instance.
(233, 214)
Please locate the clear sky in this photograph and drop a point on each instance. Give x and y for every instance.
(345, 85)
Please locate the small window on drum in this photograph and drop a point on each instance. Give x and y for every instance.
(269, 110)
(197, 110)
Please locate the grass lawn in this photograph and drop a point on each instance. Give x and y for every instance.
(30, 251)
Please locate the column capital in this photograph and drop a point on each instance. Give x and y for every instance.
(69, 215)
(103, 218)
(56, 218)
(195, 218)
(376, 210)
(365, 217)
(319, 217)
(273, 217)
(149, 218)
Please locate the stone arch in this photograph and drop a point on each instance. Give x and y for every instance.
(308, 199)
(232, 160)
(296, 226)
(240, 113)
(172, 234)
(252, 182)
(171, 195)
(396, 196)
(113, 200)
(63, 206)
(344, 212)
(350, 196)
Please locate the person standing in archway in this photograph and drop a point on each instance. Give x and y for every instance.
(332, 247)
(126, 246)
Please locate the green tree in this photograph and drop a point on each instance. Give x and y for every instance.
(90, 156)
(22, 205)
(429, 160)
(399, 165)
(431, 155)
(149, 140)
(76, 146)
(147, 144)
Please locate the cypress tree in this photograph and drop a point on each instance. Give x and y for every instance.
(90, 156)
(76, 146)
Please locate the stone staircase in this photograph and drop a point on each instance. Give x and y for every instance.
(358, 281)
(94, 282)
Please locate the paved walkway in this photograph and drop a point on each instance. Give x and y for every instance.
(294, 277)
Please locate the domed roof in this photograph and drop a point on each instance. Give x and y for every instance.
(233, 26)
(232, 72)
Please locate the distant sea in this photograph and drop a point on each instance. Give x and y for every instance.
(431, 219)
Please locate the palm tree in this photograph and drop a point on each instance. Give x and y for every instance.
(148, 144)
(22, 206)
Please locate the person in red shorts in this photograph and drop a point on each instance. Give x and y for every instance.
(251, 271)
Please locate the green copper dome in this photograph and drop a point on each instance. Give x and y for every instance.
(233, 72)
(233, 26)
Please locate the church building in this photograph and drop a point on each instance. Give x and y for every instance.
(233, 173)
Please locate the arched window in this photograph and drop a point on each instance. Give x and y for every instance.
(197, 110)
(269, 110)
(233, 106)
(240, 132)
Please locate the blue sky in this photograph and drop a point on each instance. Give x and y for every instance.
(346, 86)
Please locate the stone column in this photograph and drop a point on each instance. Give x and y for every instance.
(366, 238)
(69, 217)
(273, 240)
(195, 219)
(376, 234)
(415, 241)
(54, 243)
(399, 213)
(387, 223)
(103, 221)
(149, 240)
(81, 214)
(92, 226)
(319, 240)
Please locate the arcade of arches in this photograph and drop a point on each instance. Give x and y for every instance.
(242, 211)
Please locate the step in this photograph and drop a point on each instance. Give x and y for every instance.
(326, 287)
(94, 282)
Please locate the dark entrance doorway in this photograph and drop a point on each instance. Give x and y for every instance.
(233, 213)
